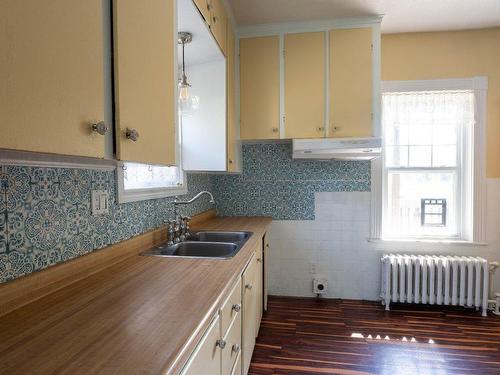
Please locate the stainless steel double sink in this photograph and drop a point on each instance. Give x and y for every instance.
(204, 244)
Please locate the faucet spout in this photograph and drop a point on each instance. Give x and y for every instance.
(178, 202)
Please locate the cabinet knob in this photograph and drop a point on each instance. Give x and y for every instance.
(267, 245)
(335, 128)
(237, 307)
(100, 128)
(275, 130)
(209, 6)
(249, 286)
(132, 134)
(221, 343)
(321, 129)
(230, 161)
(236, 348)
(259, 260)
(215, 19)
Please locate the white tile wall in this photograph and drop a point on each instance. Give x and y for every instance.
(336, 243)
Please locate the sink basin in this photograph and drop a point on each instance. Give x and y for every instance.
(204, 244)
(195, 249)
(217, 236)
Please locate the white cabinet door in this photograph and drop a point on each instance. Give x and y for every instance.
(249, 313)
(206, 359)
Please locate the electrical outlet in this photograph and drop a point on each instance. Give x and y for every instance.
(312, 268)
(100, 202)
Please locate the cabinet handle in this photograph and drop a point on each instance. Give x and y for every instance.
(100, 128)
(215, 19)
(259, 260)
(236, 348)
(221, 343)
(237, 307)
(132, 134)
(209, 6)
(275, 130)
(249, 286)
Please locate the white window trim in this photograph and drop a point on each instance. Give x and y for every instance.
(480, 87)
(126, 196)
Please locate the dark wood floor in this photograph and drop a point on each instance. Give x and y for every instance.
(307, 336)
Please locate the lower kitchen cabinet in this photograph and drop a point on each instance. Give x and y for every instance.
(227, 345)
(206, 359)
(250, 312)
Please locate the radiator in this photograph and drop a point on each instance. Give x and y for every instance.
(435, 280)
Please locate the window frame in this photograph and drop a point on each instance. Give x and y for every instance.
(477, 233)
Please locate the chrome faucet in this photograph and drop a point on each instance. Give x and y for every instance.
(177, 202)
(178, 227)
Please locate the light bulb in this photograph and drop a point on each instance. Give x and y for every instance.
(184, 94)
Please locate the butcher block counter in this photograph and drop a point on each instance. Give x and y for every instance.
(136, 315)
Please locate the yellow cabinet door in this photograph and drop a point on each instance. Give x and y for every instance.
(206, 358)
(260, 88)
(232, 124)
(204, 7)
(350, 83)
(305, 85)
(51, 74)
(249, 320)
(218, 23)
(145, 91)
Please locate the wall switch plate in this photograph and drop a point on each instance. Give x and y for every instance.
(100, 202)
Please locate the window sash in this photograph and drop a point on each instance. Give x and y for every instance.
(459, 202)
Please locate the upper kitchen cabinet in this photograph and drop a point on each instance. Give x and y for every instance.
(145, 87)
(304, 57)
(205, 7)
(260, 87)
(218, 23)
(52, 74)
(233, 133)
(351, 83)
(215, 16)
(203, 101)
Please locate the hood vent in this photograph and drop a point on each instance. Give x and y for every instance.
(337, 149)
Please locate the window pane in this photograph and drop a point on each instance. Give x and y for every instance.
(444, 156)
(396, 134)
(396, 156)
(143, 176)
(421, 134)
(404, 195)
(420, 156)
(444, 135)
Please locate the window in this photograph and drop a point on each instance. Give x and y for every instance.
(141, 181)
(431, 176)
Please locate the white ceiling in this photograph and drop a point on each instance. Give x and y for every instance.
(399, 15)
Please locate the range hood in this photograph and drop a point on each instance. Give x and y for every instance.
(339, 148)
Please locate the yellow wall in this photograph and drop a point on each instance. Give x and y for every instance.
(451, 54)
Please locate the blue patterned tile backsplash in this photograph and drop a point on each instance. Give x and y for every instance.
(45, 215)
(273, 184)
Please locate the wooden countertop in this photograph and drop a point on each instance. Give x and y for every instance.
(142, 315)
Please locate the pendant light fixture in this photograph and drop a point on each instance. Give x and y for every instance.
(184, 38)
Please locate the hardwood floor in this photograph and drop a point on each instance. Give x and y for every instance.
(308, 336)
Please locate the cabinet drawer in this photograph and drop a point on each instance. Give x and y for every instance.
(231, 307)
(233, 345)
